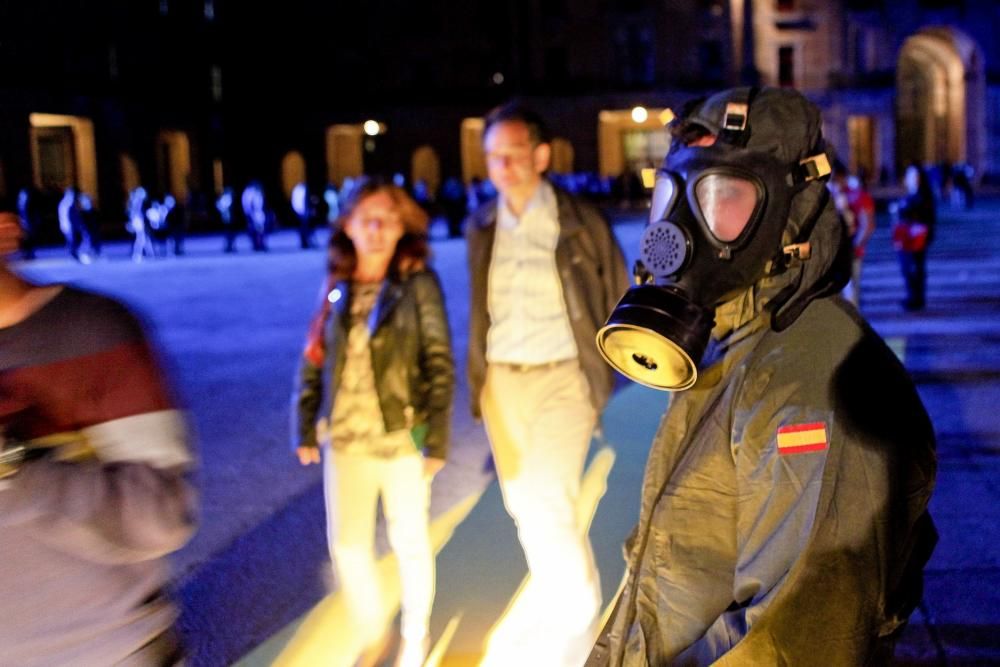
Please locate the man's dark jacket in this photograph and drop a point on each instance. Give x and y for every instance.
(592, 272)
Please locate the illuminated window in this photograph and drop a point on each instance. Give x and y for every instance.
(209, 10)
(164, 7)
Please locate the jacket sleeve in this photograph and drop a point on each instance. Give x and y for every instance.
(831, 540)
(475, 358)
(307, 393)
(614, 272)
(108, 513)
(306, 399)
(436, 365)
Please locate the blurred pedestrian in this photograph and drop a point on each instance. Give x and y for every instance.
(545, 270)
(90, 224)
(70, 222)
(862, 208)
(176, 223)
(304, 211)
(224, 205)
(256, 213)
(375, 388)
(27, 209)
(93, 489)
(136, 223)
(915, 218)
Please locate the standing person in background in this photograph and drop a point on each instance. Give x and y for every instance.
(135, 213)
(224, 205)
(375, 388)
(90, 224)
(331, 202)
(256, 214)
(862, 208)
(94, 459)
(303, 208)
(545, 272)
(27, 209)
(176, 222)
(913, 232)
(70, 223)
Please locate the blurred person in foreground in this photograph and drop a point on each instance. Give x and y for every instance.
(93, 488)
(375, 389)
(783, 516)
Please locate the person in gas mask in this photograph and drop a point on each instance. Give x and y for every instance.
(784, 508)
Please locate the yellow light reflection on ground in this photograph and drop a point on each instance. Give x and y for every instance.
(592, 489)
(328, 636)
(437, 653)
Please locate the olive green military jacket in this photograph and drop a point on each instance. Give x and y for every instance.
(784, 508)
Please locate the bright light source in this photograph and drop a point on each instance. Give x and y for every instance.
(666, 116)
(371, 128)
(498, 78)
(648, 177)
(639, 114)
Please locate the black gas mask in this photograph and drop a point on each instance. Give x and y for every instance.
(716, 222)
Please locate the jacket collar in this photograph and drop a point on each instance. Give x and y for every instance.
(567, 211)
(388, 297)
(391, 292)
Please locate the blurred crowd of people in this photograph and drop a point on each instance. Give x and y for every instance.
(159, 223)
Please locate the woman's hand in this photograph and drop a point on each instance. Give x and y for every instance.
(432, 467)
(308, 455)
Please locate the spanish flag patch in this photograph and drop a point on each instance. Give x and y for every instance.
(801, 438)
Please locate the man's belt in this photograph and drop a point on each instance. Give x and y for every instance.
(527, 368)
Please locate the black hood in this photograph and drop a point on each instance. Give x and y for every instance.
(782, 124)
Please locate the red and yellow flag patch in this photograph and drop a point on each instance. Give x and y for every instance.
(801, 438)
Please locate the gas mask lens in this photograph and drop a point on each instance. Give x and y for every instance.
(727, 204)
(664, 193)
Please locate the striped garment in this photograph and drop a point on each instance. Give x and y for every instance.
(82, 541)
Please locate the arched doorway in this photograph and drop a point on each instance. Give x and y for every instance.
(63, 153)
(471, 142)
(940, 97)
(632, 144)
(173, 163)
(425, 166)
(344, 156)
(293, 172)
